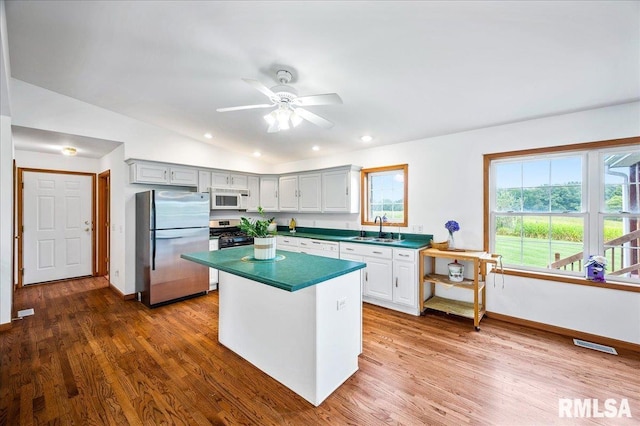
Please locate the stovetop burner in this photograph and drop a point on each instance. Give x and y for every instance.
(228, 233)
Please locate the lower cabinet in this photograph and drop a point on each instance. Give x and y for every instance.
(390, 278)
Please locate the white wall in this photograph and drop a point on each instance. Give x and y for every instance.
(37, 160)
(6, 232)
(6, 177)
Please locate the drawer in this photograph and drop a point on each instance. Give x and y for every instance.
(367, 250)
(319, 245)
(287, 241)
(404, 255)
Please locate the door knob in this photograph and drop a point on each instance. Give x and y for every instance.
(87, 229)
(86, 222)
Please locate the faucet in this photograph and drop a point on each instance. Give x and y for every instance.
(382, 219)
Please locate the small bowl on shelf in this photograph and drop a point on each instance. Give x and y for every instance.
(440, 246)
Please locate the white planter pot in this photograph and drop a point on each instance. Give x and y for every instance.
(264, 248)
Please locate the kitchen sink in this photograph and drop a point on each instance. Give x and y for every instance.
(362, 238)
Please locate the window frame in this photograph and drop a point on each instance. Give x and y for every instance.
(591, 208)
(365, 196)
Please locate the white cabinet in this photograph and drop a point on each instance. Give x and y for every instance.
(405, 277)
(213, 273)
(391, 275)
(204, 181)
(340, 191)
(300, 193)
(288, 201)
(253, 199)
(269, 193)
(287, 243)
(162, 174)
(224, 179)
(377, 274)
(319, 247)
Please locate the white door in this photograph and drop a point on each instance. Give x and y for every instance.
(57, 237)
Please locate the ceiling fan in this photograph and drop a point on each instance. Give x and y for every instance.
(288, 104)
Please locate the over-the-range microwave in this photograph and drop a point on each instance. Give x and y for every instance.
(228, 198)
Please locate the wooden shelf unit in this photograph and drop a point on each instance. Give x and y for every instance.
(476, 283)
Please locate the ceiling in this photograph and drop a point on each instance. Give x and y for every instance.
(404, 70)
(28, 139)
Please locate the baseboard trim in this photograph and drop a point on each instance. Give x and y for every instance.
(5, 327)
(566, 332)
(121, 294)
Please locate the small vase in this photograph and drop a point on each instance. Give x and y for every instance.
(452, 243)
(264, 248)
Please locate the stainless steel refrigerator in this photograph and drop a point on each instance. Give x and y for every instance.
(168, 224)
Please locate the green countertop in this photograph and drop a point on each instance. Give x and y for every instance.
(293, 271)
(413, 242)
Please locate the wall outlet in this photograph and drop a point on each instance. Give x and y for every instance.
(341, 304)
(417, 229)
(116, 273)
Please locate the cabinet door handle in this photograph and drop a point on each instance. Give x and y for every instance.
(348, 249)
(347, 190)
(227, 180)
(403, 255)
(396, 281)
(377, 252)
(366, 276)
(276, 192)
(165, 174)
(316, 242)
(173, 175)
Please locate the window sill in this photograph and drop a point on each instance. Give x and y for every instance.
(572, 280)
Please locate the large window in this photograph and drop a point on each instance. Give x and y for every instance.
(549, 211)
(384, 195)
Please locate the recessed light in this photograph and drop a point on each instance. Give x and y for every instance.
(69, 150)
(366, 138)
(315, 148)
(208, 135)
(257, 154)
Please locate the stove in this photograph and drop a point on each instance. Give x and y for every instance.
(229, 233)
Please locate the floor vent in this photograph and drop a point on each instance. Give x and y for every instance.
(25, 313)
(595, 346)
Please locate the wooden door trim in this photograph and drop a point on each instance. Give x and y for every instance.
(104, 222)
(21, 171)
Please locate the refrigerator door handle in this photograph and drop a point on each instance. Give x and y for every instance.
(153, 250)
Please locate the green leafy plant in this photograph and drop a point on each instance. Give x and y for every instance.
(257, 227)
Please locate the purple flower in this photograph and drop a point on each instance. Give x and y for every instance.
(452, 226)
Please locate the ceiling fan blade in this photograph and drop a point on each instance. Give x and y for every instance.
(260, 87)
(238, 108)
(313, 118)
(326, 99)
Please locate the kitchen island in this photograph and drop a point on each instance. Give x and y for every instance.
(297, 317)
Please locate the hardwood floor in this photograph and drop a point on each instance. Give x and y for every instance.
(89, 358)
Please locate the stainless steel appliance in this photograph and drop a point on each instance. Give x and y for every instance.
(229, 233)
(169, 223)
(228, 198)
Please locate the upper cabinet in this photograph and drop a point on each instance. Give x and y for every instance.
(154, 173)
(204, 180)
(253, 200)
(222, 179)
(300, 193)
(269, 193)
(341, 191)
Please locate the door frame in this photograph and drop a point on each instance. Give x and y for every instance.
(104, 224)
(20, 232)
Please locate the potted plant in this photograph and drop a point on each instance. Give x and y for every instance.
(264, 245)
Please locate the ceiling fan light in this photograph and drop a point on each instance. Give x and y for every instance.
(295, 119)
(270, 118)
(283, 118)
